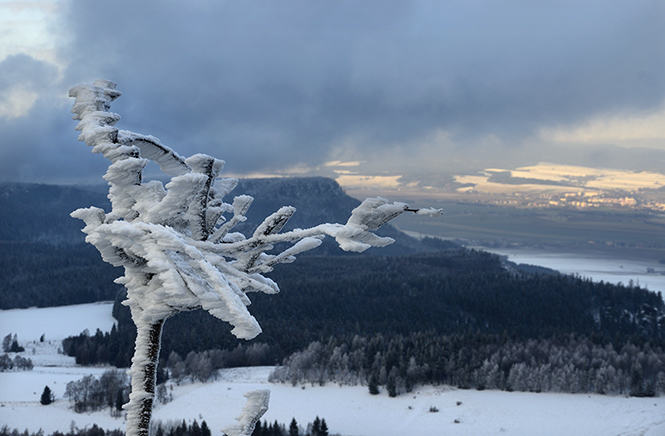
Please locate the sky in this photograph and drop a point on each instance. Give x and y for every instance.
(397, 91)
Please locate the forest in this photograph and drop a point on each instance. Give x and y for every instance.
(45, 261)
(454, 316)
(318, 427)
(422, 312)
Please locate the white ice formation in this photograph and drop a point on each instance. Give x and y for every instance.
(175, 242)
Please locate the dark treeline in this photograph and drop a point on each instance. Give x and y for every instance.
(318, 427)
(45, 262)
(40, 213)
(173, 428)
(161, 429)
(400, 363)
(18, 363)
(44, 275)
(202, 366)
(95, 430)
(455, 292)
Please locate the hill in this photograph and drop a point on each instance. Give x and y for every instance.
(45, 261)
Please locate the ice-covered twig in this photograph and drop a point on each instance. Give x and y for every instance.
(255, 407)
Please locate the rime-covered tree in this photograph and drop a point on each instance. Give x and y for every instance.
(177, 245)
(6, 343)
(373, 384)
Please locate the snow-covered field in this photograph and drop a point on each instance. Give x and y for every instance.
(347, 410)
(597, 266)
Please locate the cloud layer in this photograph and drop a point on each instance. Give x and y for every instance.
(404, 84)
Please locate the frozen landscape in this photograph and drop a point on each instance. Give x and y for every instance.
(347, 410)
(597, 266)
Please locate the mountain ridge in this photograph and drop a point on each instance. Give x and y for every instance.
(40, 212)
(46, 262)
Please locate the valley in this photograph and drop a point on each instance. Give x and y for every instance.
(348, 410)
(470, 297)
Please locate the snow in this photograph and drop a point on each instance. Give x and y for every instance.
(56, 323)
(160, 237)
(349, 410)
(645, 273)
(255, 408)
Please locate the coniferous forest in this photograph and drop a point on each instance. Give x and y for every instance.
(456, 316)
(430, 312)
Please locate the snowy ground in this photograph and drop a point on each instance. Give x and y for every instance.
(597, 266)
(347, 410)
(54, 324)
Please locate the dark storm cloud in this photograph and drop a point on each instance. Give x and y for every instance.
(32, 75)
(33, 138)
(266, 84)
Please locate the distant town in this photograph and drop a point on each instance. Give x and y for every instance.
(558, 186)
(577, 200)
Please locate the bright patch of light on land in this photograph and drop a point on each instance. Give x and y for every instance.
(574, 178)
(598, 178)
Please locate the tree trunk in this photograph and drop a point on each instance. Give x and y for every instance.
(143, 373)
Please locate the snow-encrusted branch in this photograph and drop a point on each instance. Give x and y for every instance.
(255, 407)
(176, 246)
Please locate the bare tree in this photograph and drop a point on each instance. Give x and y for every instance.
(177, 247)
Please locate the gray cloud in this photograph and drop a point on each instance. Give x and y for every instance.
(262, 86)
(35, 139)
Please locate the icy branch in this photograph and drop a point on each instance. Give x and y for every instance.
(176, 245)
(255, 407)
(172, 233)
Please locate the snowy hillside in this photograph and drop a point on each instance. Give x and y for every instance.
(347, 410)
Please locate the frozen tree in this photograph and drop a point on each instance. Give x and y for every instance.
(177, 245)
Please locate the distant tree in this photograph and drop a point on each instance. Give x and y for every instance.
(91, 394)
(195, 429)
(22, 363)
(119, 402)
(15, 347)
(324, 428)
(205, 430)
(637, 385)
(6, 343)
(293, 428)
(316, 427)
(5, 362)
(47, 396)
(391, 385)
(373, 384)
